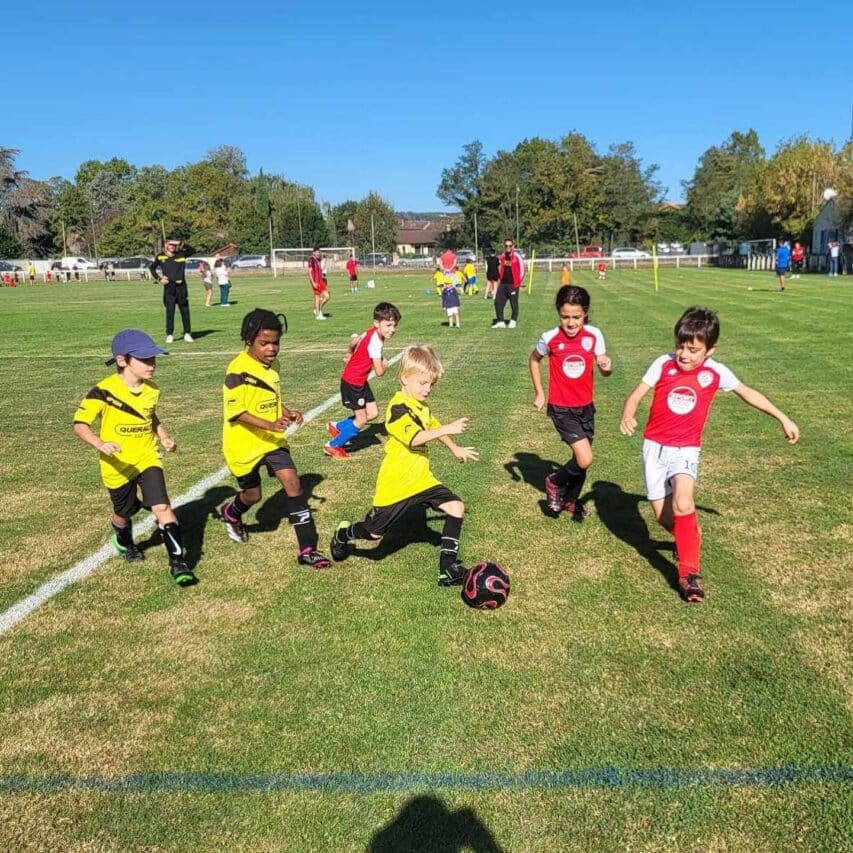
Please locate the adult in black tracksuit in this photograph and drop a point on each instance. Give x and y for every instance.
(169, 268)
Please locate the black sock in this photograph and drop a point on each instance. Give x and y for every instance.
(172, 539)
(450, 535)
(124, 535)
(354, 531)
(576, 476)
(303, 525)
(238, 507)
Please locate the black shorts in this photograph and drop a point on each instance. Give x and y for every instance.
(356, 396)
(797, 266)
(353, 278)
(573, 423)
(275, 460)
(380, 518)
(150, 482)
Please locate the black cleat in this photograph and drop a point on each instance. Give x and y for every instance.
(339, 548)
(313, 558)
(691, 589)
(181, 573)
(132, 553)
(453, 575)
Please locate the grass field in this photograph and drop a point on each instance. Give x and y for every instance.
(363, 708)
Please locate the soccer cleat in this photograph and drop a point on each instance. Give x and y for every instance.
(313, 558)
(339, 547)
(453, 575)
(691, 589)
(170, 339)
(131, 553)
(499, 325)
(233, 523)
(555, 494)
(321, 316)
(181, 573)
(336, 452)
(576, 510)
(188, 337)
(333, 431)
(512, 324)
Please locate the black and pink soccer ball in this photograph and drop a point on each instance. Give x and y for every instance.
(486, 586)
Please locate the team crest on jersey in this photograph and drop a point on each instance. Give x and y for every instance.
(681, 400)
(671, 372)
(574, 366)
(561, 347)
(705, 378)
(586, 343)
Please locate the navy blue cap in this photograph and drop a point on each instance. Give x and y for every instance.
(136, 343)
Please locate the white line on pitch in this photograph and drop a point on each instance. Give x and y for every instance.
(89, 565)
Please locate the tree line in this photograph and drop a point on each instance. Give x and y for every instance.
(550, 194)
(554, 194)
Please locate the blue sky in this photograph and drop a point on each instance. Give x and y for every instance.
(382, 96)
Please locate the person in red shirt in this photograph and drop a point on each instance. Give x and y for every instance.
(318, 282)
(685, 382)
(510, 277)
(352, 272)
(602, 270)
(798, 254)
(365, 354)
(573, 350)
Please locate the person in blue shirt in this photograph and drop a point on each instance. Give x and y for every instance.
(783, 261)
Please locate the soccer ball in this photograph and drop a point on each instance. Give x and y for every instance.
(486, 586)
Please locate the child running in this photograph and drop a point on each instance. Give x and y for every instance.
(450, 301)
(573, 349)
(365, 354)
(405, 479)
(253, 434)
(126, 404)
(684, 383)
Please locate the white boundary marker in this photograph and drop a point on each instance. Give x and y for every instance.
(89, 565)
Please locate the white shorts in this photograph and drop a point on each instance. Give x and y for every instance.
(661, 463)
(452, 312)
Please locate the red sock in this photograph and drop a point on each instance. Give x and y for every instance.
(687, 541)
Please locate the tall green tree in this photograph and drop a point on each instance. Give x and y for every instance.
(375, 216)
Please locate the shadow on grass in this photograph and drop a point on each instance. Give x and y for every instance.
(425, 823)
(366, 438)
(412, 527)
(204, 333)
(273, 510)
(533, 469)
(619, 511)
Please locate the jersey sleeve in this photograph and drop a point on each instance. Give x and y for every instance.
(402, 424)
(374, 348)
(91, 407)
(544, 340)
(652, 376)
(728, 381)
(235, 393)
(600, 346)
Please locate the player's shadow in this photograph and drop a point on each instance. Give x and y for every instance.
(619, 511)
(410, 528)
(426, 824)
(366, 438)
(273, 511)
(532, 469)
(204, 333)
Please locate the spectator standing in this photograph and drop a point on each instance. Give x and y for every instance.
(319, 284)
(833, 253)
(223, 281)
(169, 268)
(207, 280)
(492, 275)
(511, 274)
(797, 257)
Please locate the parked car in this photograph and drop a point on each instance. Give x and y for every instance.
(587, 252)
(250, 261)
(464, 256)
(629, 252)
(374, 259)
(137, 262)
(194, 263)
(5, 266)
(68, 263)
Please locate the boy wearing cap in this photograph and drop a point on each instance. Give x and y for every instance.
(126, 404)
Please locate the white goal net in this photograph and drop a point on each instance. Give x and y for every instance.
(759, 254)
(286, 261)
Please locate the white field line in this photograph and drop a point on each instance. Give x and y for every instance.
(89, 565)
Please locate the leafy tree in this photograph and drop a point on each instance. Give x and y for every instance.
(374, 210)
(343, 214)
(10, 245)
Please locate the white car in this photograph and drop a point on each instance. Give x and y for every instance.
(68, 263)
(247, 261)
(629, 252)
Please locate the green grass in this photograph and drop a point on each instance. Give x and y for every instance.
(370, 668)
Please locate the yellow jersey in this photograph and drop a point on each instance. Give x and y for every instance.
(252, 387)
(127, 418)
(438, 278)
(405, 469)
(470, 270)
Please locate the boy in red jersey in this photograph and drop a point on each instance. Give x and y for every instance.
(319, 283)
(352, 272)
(602, 270)
(573, 350)
(356, 394)
(684, 384)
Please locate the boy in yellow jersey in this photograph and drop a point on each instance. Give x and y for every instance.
(253, 434)
(405, 479)
(438, 279)
(469, 276)
(126, 404)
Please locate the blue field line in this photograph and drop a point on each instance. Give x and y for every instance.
(389, 783)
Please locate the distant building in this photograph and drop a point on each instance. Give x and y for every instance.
(421, 236)
(829, 225)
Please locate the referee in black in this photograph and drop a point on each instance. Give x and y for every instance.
(169, 268)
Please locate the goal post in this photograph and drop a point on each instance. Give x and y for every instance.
(760, 254)
(289, 261)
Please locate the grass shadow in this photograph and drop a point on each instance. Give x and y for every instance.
(273, 510)
(366, 438)
(204, 333)
(412, 527)
(425, 823)
(532, 469)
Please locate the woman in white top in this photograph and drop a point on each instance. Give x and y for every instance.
(224, 283)
(207, 280)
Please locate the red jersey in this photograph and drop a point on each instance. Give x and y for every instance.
(571, 364)
(797, 253)
(352, 267)
(682, 399)
(360, 363)
(315, 271)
